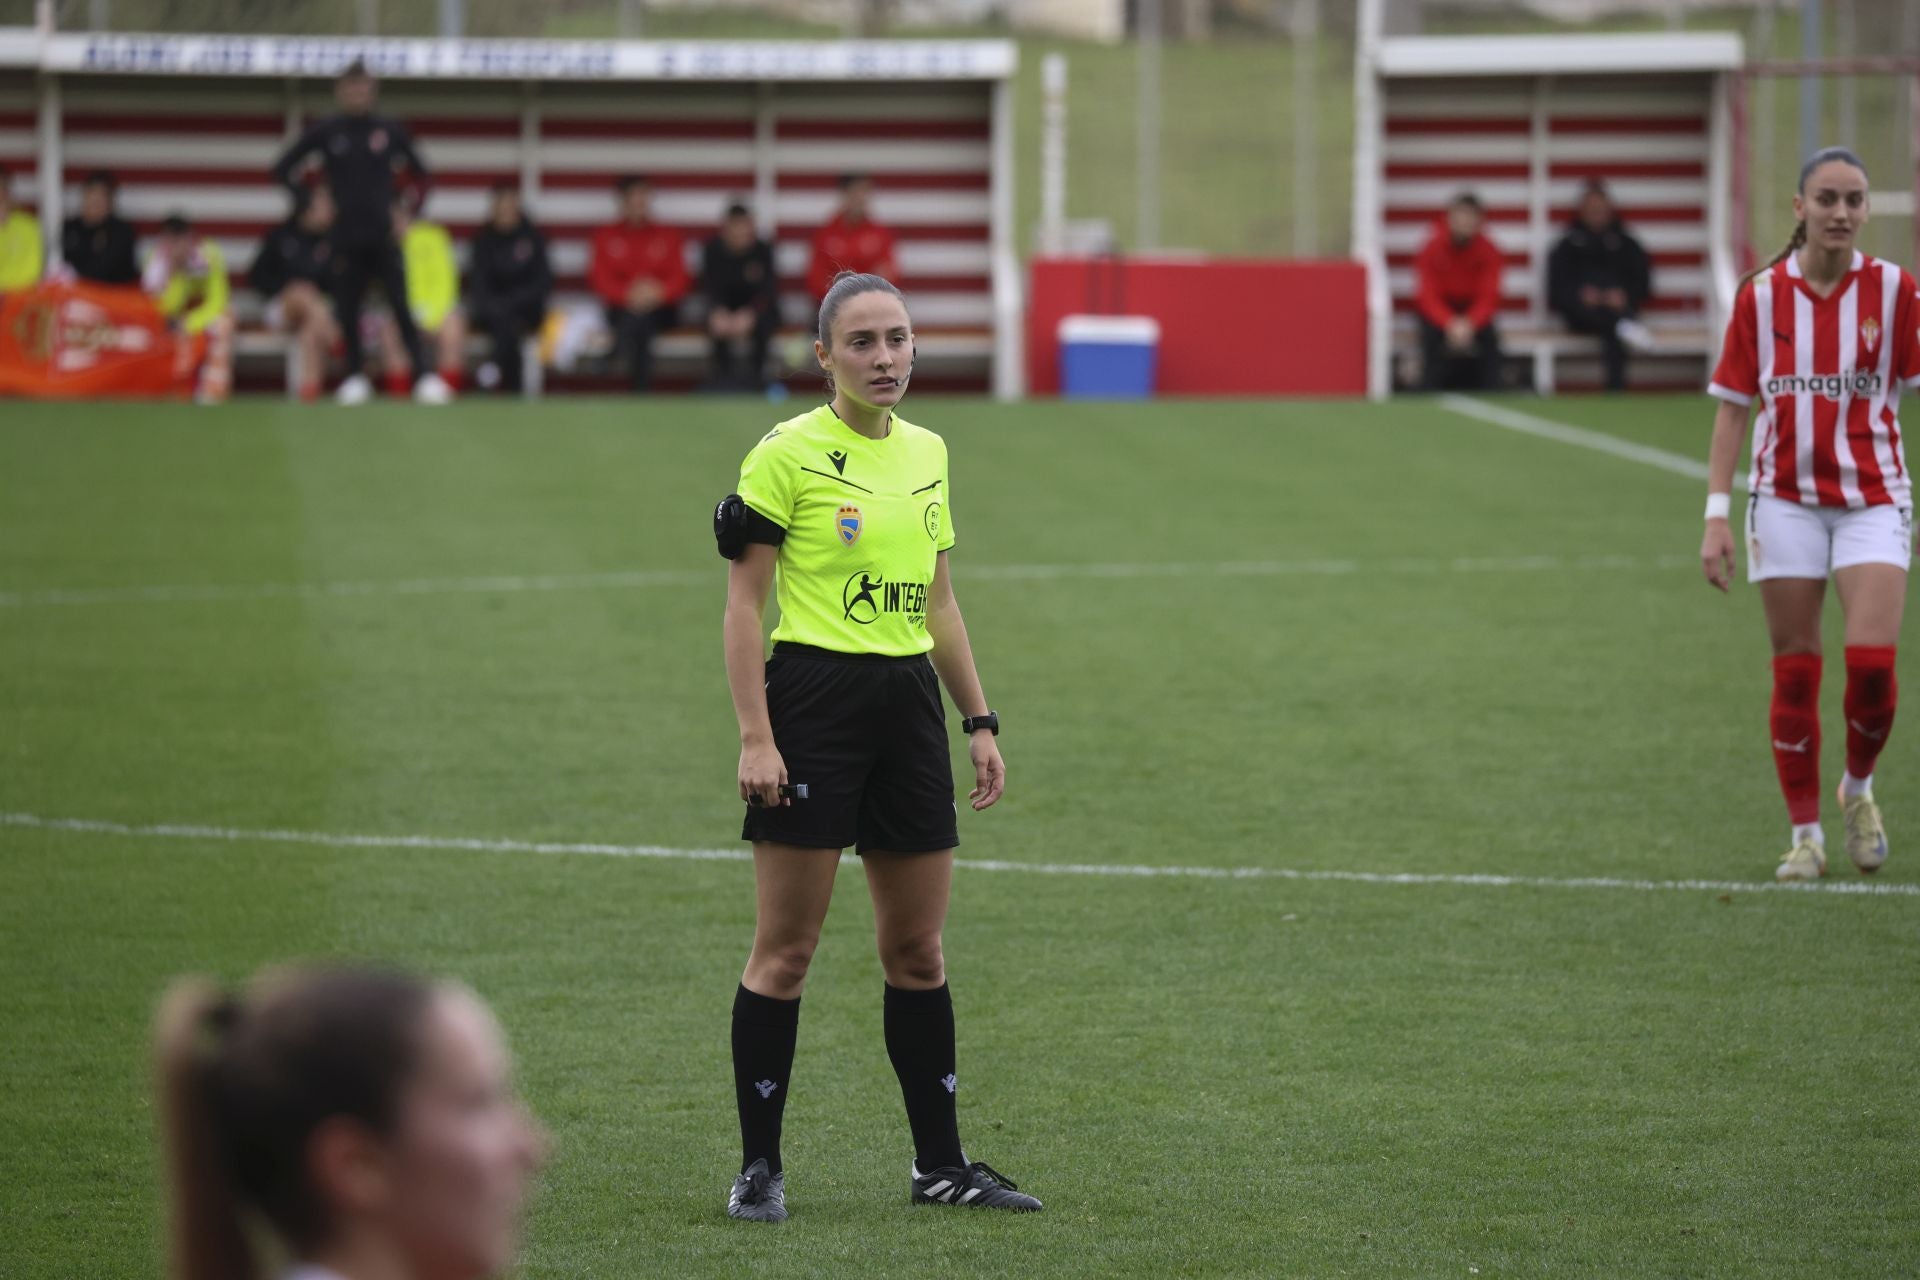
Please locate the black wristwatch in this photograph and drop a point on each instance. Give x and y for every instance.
(973, 724)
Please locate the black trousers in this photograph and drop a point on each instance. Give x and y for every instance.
(633, 335)
(356, 264)
(506, 325)
(1600, 322)
(1443, 367)
(724, 356)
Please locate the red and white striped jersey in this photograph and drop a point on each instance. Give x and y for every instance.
(1828, 372)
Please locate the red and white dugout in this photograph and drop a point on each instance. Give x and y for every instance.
(1524, 122)
(193, 122)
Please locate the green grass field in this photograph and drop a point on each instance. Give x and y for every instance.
(1274, 637)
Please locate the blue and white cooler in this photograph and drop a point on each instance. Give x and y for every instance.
(1108, 357)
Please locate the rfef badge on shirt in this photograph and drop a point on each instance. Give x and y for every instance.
(865, 520)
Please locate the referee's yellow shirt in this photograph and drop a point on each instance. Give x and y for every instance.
(864, 520)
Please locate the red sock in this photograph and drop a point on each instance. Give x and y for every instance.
(452, 376)
(1795, 721)
(309, 392)
(399, 384)
(1871, 694)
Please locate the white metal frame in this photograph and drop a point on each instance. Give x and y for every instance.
(1540, 59)
(1368, 141)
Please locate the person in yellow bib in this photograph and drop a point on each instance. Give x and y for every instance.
(22, 255)
(433, 295)
(186, 275)
(843, 734)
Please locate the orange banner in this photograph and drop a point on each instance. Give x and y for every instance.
(72, 341)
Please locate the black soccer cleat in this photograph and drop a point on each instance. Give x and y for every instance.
(758, 1196)
(976, 1187)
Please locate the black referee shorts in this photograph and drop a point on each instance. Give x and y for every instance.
(867, 734)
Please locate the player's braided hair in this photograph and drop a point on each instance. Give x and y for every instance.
(847, 286)
(1825, 155)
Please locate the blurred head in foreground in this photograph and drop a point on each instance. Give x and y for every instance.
(355, 1120)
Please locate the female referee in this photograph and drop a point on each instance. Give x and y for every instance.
(1825, 336)
(850, 504)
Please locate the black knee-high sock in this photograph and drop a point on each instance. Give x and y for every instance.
(764, 1030)
(920, 1043)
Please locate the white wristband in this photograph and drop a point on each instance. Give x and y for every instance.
(1719, 505)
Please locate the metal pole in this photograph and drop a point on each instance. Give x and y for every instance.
(1847, 35)
(1053, 153)
(630, 19)
(367, 13)
(1146, 236)
(1810, 44)
(52, 160)
(1761, 101)
(453, 19)
(1366, 197)
(1910, 40)
(1306, 128)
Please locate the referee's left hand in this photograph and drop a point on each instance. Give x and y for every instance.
(989, 770)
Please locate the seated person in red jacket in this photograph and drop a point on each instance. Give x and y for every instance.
(851, 240)
(1458, 292)
(639, 270)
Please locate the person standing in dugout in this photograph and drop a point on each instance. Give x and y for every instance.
(360, 152)
(843, 739)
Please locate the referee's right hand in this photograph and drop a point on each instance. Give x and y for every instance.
(762, 774)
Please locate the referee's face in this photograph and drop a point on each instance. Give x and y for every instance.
(872, 353)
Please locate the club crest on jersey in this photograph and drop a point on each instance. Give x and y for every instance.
(1869, 333)
(848, 522)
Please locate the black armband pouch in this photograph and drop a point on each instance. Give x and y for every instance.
(735, 525)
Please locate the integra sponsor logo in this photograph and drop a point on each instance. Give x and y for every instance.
(1855, 382)
(867, 595)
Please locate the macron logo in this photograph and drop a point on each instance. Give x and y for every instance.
(1865, 732)
(1800, 746)
(766, 1088)
(951, 1081)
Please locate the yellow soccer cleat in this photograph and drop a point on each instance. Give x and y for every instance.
(1805, 861)
(1866, 838)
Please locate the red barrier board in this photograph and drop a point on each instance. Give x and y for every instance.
(1228, 327)
(75, 341)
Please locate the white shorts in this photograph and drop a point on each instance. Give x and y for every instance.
(1793, 540)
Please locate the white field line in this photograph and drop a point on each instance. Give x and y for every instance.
(645, 578)
(467, 844)
(1527, 424)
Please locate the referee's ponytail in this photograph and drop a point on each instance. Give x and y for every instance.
(1826, 155)
(847, 286)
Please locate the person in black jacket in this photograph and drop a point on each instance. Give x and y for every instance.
(1598, 278)
(507, 283)
(361, 152)
(97, 244)
(743, 300)
(293, 272)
